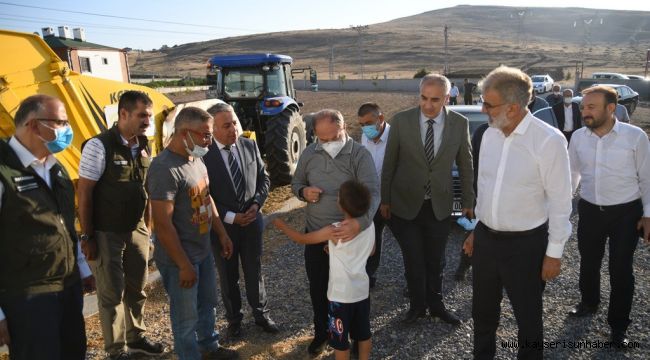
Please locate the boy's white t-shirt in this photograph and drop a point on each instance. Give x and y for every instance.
(348, 280)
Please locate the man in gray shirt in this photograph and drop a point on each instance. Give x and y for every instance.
(183, 214)
(322, 168)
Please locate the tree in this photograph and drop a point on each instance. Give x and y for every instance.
(420, 73)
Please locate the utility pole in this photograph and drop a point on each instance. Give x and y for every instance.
(445, 71)
(361, 30)
(331, 62)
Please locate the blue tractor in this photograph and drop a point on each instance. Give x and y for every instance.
(260, 89)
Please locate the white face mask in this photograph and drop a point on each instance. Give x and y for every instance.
(556, 93)
(567, 100)
(197, 151)
(333, 147)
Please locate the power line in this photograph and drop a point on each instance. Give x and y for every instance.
(361, 30)
(102, 26)
(123, 17)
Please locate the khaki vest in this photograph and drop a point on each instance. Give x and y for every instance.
(119, 198)
(38, 241)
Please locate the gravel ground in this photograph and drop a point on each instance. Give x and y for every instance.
(287, 289)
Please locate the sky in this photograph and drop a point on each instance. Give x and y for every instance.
(152, 24)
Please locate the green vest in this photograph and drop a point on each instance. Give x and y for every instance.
(119, 198)
(38, 241)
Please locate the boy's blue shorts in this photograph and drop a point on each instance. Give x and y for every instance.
(351, 319)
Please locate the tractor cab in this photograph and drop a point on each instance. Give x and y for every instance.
(260, 89)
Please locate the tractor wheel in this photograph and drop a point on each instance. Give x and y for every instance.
(284, 142)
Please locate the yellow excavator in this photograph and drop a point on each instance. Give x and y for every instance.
(28, 67)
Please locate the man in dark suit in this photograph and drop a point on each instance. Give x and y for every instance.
(567, 113)
(416, 190)
(239, 186)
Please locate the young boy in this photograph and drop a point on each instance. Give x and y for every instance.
(348, 287)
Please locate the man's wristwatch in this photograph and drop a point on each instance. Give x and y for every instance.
(85, 237)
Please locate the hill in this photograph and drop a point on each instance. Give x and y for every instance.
(480, 38)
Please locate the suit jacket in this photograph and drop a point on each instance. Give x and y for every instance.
(253, 170)
(558, 109)
(406, 169)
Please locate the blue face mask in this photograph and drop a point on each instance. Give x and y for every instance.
(370, 131)
(62, 139)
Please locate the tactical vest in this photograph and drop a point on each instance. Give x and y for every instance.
(37, 233)
(119, 197)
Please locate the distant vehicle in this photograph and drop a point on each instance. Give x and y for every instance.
(476, 118)
(542, 83)
(608, 75)
(637, 77)
(626, 97)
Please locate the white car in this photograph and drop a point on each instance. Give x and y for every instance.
(542, 83)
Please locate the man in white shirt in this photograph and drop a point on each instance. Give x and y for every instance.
(523, 204)
(611, 161)
(567, 114)
(453, 94)
(239, 185)
(41, 299)
(374, 136)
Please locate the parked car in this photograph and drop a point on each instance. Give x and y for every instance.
(542, 83)
(609, 75)
(637, 77)
(626, 97)
(476, 118)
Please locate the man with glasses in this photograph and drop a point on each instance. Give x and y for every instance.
(183, 215)
(115, 223)
(416, 191)
(239, 186)
(40, 291)
(523, 207)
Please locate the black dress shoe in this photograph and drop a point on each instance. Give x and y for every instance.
(268, 325)
(317, 345)
(413, 315)
(233, 331)
(446, 316)
(582, 310)
(620, 340)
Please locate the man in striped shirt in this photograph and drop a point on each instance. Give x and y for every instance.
(115, 224)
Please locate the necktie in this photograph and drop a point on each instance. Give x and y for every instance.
(237, 178)
(429, 150)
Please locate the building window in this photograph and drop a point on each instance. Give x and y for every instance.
(105, 61)
(85, 64)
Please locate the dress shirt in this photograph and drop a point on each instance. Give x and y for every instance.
(377, 149)
(613, 169)
(454, 92)
(621, 113)
(43, 170)
(230, 216)
(568, 118)
(524, 181)
(438, 127)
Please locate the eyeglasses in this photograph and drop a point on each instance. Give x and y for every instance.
(205, 136)
(489, 106)
(57, 122)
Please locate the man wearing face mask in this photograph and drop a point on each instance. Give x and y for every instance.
(536, 103)
(115, 223)
(40, 291)
(322, 168)
(416, 195)
(183, 215)
(555, 97)
(568, 115)
(374, 136)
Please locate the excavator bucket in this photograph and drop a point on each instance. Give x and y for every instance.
(28, 67)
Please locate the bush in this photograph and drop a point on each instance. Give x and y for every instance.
(420, 74)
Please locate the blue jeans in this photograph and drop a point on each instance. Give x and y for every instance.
(192, 310)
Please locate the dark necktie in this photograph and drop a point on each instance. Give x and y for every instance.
(237, 178)
(429, 150)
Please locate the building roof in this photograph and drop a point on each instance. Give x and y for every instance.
(56, 42)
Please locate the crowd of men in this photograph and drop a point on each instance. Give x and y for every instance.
(201, 197)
